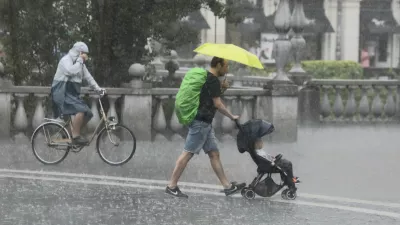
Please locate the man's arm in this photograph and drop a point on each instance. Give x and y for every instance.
(89, 78)
(71, 69)
(221, 107)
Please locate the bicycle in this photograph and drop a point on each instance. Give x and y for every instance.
(62, 139)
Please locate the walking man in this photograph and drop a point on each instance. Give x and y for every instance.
(201, 133)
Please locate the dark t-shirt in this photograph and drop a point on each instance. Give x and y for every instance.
(211, 89)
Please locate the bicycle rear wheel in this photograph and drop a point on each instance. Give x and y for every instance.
(118, 136)
(53, 136)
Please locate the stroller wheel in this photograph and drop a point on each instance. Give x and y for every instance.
(291, 195)
(249, 194)
(243, 191)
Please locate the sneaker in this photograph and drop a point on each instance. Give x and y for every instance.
(175, 192)
(296, 180)
(234, 188)
(79, 140)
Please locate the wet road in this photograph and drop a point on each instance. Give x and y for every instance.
(345, 174)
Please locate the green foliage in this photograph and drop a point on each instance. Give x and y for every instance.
(321, 69)
(116, 32)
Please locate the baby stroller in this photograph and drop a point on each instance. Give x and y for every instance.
(249, 132)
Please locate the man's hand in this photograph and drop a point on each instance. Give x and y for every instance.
(225, 84)
(84, 56)
(235, 117)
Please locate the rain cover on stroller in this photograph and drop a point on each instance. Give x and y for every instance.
(250, 131)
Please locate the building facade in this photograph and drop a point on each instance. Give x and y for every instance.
(343, 28)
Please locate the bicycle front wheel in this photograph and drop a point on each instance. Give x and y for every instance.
(50, 143)
(116, 145)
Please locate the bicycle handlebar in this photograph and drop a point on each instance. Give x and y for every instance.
(101, 92)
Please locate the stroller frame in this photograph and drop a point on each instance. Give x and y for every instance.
(267, 183)
(250, 191)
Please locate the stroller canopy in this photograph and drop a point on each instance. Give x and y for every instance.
(250, 131)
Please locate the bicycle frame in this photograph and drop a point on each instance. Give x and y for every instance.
(95, 132)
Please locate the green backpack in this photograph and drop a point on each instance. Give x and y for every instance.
(188, 97)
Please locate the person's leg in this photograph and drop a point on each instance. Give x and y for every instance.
(287, 166)
(180, 166)
(77, 123)
(194, 142)
(211, 148)
(218, 169)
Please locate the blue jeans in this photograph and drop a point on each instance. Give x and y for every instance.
(201, 135)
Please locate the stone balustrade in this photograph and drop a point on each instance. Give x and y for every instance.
(350, 101)
(149, 112)
(24, 108)
(166, 126)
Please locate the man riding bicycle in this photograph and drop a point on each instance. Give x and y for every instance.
(66, 89)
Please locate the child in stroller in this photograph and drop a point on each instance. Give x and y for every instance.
(249, 140)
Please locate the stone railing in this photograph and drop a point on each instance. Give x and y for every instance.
(242, 102)
(350, 101)
(149, 112)
(23, 108)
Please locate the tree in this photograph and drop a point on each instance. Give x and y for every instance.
(115, 30)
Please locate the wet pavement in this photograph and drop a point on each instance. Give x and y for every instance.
(349, 177)
(43, 202)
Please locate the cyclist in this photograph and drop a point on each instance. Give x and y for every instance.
(66, 89)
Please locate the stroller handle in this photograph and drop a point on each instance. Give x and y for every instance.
(239, 126)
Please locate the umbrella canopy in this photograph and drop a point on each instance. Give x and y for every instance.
(230, 52)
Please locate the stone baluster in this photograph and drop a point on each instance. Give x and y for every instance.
(92, 124)
(247, 112)
(376, 106)
(20, 119)
(112, 112)
(227, 124)
(397, 94)
(1, 69)
(326, 105)
(282, 45)
(6, 108)
(159, 120)
(338, 105)
(390, 105)
(363, 107)
(39, 114)
(298, 22)
(351, 106)
(175, 125)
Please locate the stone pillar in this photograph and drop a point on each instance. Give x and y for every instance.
(298, 21)
(309, 105)
(282, 45)
(136, 107)
(281, 92)
(350, 30)
(280, 108)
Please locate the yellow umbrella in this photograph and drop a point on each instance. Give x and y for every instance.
(230, 52)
